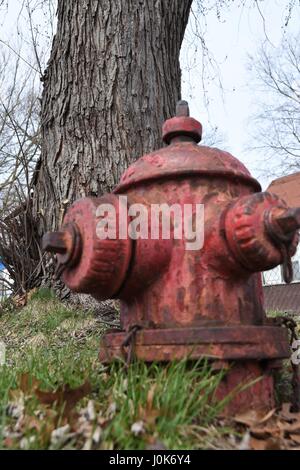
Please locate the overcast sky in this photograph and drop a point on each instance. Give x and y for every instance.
(229, 39)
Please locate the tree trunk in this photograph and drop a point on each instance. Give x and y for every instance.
(112, 79)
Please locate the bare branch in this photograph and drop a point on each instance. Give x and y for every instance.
(18, 55)
(277, 117)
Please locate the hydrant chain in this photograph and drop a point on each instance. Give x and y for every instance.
(129, 342)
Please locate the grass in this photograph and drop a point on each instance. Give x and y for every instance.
(51, 349)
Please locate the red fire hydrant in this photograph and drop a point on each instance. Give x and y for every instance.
(175, 301)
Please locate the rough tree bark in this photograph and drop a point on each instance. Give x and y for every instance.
(112, 78)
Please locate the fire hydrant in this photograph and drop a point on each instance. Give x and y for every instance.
(178, 302)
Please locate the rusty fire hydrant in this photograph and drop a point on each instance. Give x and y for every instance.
(177, 301)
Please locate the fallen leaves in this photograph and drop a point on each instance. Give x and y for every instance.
(147, 415)
(53, 419)
(275, 430)
(266, 444)
(20, 300)
(295, 438)
(16, 405)
(253, 417)
(64, 397)
(61, 436)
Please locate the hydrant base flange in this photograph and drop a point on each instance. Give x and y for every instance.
(225, 343)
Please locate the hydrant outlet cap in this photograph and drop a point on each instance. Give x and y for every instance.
(182, 125)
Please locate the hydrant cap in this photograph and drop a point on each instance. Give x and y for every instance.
(182, 125)
(184, 158)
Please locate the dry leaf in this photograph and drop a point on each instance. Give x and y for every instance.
(97, 435)
(267, 444)
(27, 383)
(90, 411)
(296, 438)
(138, 428)
(60, 436)
(111, 410)
(9, 442)
(286, 414)
(290, 427)
(26, 441)
(16, 406)
(257, 444)
(150, 397)
(253, 417)
(264, 431)
(64, 397)
(249, 418)
(149, 416)
(267, 416)
(20, 300)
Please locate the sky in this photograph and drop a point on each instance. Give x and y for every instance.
(230, 41)
(230, 96)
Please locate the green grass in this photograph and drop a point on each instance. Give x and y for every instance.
(144, 406)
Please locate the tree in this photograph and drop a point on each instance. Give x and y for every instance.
(19, 128)
(277, 120)
(112, 79)
(19, 151)
(21, 61)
